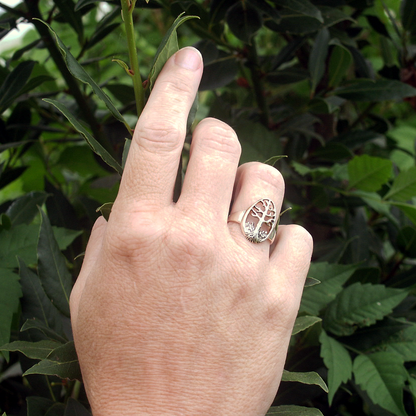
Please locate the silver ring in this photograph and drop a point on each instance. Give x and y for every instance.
(258, 223)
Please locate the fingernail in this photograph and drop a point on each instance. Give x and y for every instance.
(189, 58)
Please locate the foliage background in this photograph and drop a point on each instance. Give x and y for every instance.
(329, 84)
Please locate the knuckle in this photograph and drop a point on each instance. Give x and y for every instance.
(131, 235)
(159, 136)
(191, 246)
(266, 173)
(176, 88)
(302, 236)
(220, 137)
(164, 129)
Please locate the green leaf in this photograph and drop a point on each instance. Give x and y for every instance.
(337, 360)
(11, 175)
(402, 344)
(192, 114)
(67, 8)
(382, 376)
(366, 275)
(339, 63)
(287, 76)
(289, 410)
(369, 173)
(123, 93)
(360, 305)
(79, 72)
(298, 23)
(404, 186)
(25, 208)
(35, 303)
(361, 66)
(287, 53)
(266, 9)
(274, 159)
(407, 209)
(317, 57)
(355, 139)
(5, 223)
(82, 3)
(38, 406)
(305, 378)
(310, 281)
(12, 145)
(123, 65)
(406, 241)
(61, 362)
(126, 150)
(333, 15)
(19, 53)
(374, 200)
(37, 324)
(244, 21)
(75, 408)
(304, 7)
(258, 142)
(408, 14)
(100, 33)
(328, 105)
(52, 270)
(376, 91)
(10, 293)
(219, 72)
(105, 210)
(35, 350)
(377, 25)
(18, 241)
(412, 385)
(34, 83)
(65, 237)
(332, 277)
(14, 83)
(167, 48)
(57, 409)
(94, 144)
(304, 322)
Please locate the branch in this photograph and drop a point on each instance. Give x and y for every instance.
(127, 13)
(256, 79)
(256, 214)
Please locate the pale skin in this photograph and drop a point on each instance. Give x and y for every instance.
(175, 312)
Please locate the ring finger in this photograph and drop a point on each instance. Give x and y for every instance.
(256, 182)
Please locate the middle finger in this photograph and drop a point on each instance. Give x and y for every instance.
(210, 175)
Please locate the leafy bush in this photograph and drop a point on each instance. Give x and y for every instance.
(327, 83)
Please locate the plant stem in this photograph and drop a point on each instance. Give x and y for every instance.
(127, 13)
(256, 78)
(50, 389)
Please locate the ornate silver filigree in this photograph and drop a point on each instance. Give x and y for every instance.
(264, 211)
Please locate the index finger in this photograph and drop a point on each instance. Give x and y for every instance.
(153, 159)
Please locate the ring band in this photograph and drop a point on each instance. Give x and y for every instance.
(258, 223)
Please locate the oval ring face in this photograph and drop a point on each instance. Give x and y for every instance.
(259, 221)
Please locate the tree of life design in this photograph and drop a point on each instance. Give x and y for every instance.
(264, 211)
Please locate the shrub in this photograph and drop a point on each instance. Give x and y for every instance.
(323, 90)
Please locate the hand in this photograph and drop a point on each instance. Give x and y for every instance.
(175, 312)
